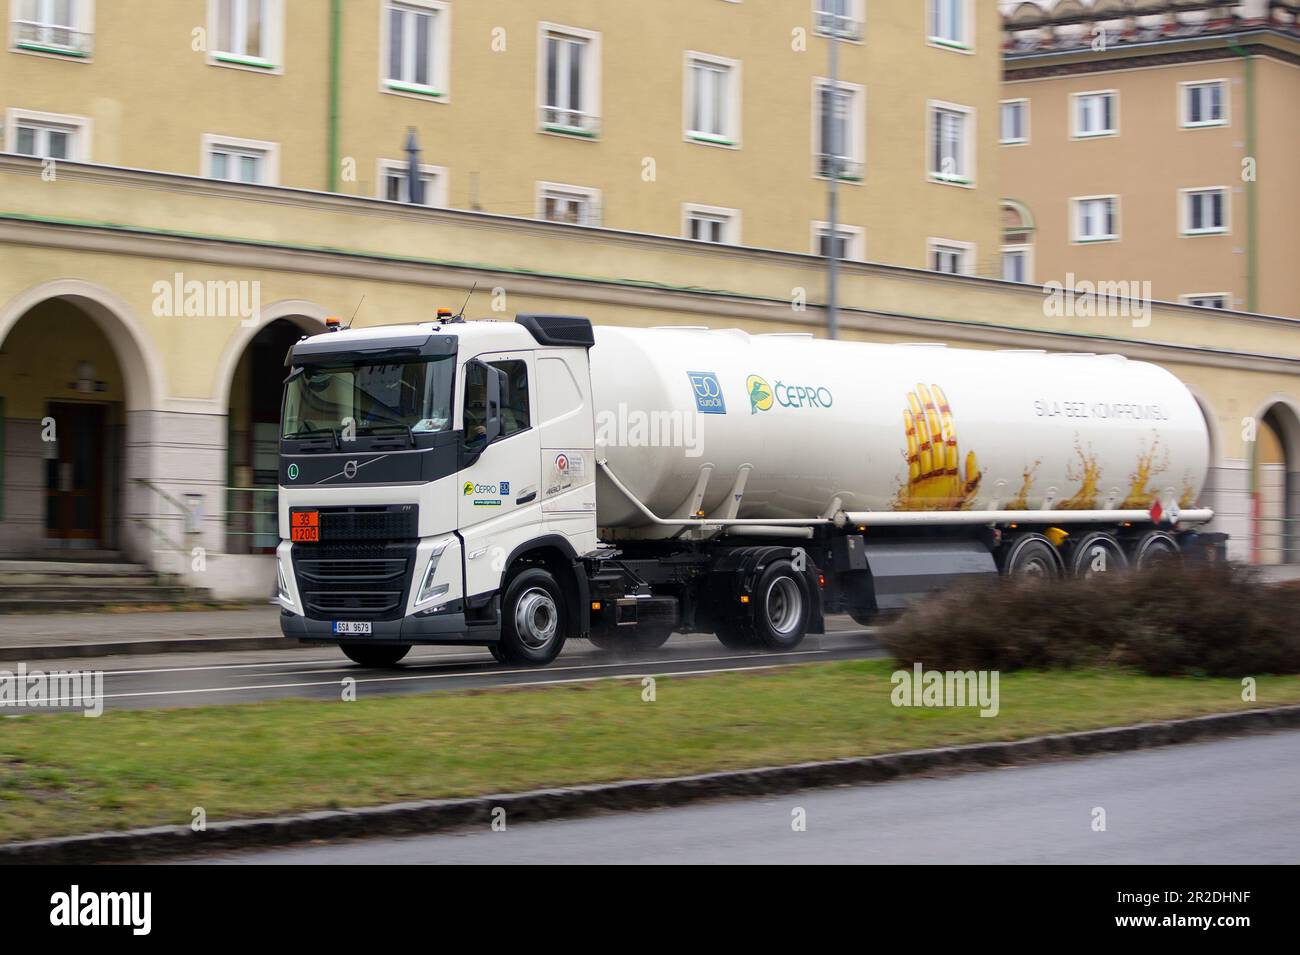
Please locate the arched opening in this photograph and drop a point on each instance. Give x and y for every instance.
(253, 435)
(1017, 242)
(1275, 485)
(71, 373)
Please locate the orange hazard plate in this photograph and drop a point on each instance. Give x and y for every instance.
(304, 526)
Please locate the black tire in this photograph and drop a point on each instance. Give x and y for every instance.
(495, 650)
(865, 618)
(782, 607)
(1154, 548)
(734, 637)
(370, 655)
(1032, 555)
(534, 622)
(1096, 554)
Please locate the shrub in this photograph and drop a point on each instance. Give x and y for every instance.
(1212, 619)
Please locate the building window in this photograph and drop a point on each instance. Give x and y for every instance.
(839, 137)
(1095, 114)
(951, 144)
(1205, 211)
(1015, 121)
(711, 224)
(574, 205)
(245, 33)
(47, 135)
(241, 160)
(712, 100)
(416, 48)
(849, 242)
(59, 27)
(569, 84)
(1016, 263)
(395, 183)
(1096, 219)
(840, 18)
(955, 258)
(1206, 299)
(1205, 104)
(950, 24)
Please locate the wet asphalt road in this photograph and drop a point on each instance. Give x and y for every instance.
(1230, 802)
(318, 673)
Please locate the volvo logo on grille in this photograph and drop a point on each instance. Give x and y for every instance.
(350, 470)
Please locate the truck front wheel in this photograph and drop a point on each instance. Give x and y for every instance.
(533, 624)
(368, 655)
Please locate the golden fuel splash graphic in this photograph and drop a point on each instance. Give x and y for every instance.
(1021, 501)
(1088, 476)
(1139, 495)
(934, 481)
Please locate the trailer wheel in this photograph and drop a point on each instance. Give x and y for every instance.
(1097, 553)
(369, 655)
(533, 624)
(782, 606)
(1032, 555)
(1154, 548)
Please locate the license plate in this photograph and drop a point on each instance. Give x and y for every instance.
(304, 527)
(351, 626)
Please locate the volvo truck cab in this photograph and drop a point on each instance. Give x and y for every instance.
(418, 464)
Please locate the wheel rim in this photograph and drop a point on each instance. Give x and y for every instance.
(536, 618)
(784, 605)
(1035, 567)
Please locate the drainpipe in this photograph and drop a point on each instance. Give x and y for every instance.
(336, 33)
(1252, 197)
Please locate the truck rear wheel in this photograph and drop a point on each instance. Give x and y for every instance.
(1032, 555)
(1097, 553)
(1154, 548)
(369, 655)
(533, 624)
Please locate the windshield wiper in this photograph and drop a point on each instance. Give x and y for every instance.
(375, 428)
(315, 433)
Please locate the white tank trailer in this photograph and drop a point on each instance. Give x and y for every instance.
(517, 484)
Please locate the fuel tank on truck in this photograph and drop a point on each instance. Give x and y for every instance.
(881, 427)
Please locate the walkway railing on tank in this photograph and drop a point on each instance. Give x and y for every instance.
(252, 519)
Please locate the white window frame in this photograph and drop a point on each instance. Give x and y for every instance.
(1185, 211)
(855, 246)
(589, 193)
(965, 249)
(851, 25)
(1076, 130)
(968, 150)
(81, 31)
(1075, 218)
(730, 219)
(1023, 103)
(1185, 102)
(590, 80)
(1018, 248)
(856, 148)
(439, 91)
(79, 126)
(436, 184)
(729, 138)
(272, 59)
(270, 152)
(964, 44)
(1190, 299)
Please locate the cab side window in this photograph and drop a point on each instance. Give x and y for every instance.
(514, 400)
(514, 397)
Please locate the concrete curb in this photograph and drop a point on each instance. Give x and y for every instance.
(440, 814)
(60, 651)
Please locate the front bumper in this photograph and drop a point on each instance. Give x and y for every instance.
(445, 628)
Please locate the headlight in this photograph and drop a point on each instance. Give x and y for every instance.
(428, 591)
(281, 584)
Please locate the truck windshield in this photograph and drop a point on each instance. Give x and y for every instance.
(412, 396)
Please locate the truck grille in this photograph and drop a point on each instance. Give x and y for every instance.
(343, 581)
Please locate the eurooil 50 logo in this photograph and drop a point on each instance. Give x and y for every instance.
(763, 395)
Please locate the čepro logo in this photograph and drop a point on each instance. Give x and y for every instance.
(760, 394)
(708, 392)
(468, 488)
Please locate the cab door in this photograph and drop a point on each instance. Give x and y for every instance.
(499, 505)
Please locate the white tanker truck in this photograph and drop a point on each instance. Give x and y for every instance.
(517, 484)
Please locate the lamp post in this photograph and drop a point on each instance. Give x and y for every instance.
(414, 184)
